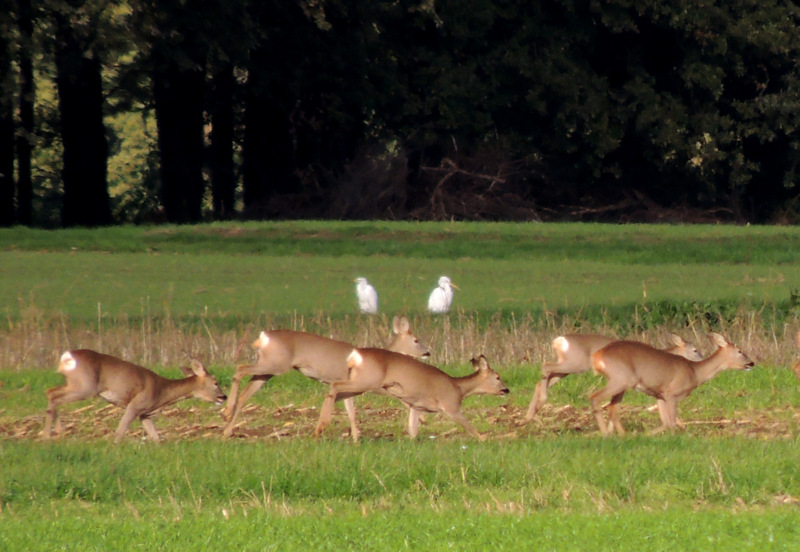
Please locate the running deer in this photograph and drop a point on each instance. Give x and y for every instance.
(316, 357)
(573, 356)
(669, 378)
(420, 386)
(141, 392)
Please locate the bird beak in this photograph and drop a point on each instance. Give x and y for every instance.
(452, 285)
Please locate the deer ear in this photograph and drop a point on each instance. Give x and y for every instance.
(676, 340)
(480, 363)
(719, 340)
(195, 368)
(400, 325)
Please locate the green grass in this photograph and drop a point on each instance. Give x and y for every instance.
(153, 295)
(121, 528)
(234, 271)
(84, 286)
(563, 493)
(626, 244)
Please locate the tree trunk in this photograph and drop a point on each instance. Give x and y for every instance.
(178, 95)
(26, 100)
(80, 95)
(223, 181)
(7, 215)
(268, 152)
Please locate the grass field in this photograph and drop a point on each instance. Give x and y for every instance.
(156, 295)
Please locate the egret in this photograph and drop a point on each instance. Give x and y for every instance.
(367, 296)
(441, 296)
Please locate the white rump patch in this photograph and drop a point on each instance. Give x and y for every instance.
(355, 359)
(263, 339)
(561, 344)
(68, 362)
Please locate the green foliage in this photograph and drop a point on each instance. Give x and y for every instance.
(511, 109)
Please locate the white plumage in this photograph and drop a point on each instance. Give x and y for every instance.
(367, 296)
(442, 296)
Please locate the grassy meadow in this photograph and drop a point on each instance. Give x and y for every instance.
(156, 295)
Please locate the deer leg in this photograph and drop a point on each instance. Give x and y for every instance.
(613, 414)
(125, 422)
(255, 383)
(539, 390)
(350, 407)
(241, 371)
(258, 372)
(540, 393)
(51, 415)
(459, 417)
(610, 391)
(413, 422)
(56, 397)
(148, 426)
(340, 390)
(662, 414)
(671, 410)
(326, 412)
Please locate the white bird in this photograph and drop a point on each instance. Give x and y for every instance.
(367, 296)
(441, 296)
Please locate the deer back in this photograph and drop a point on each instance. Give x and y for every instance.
(112, 378)
(578, 348)
(314, 356)
(403, 377)
(644, 367)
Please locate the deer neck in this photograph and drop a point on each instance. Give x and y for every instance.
(174, 390)
(708, 369)
(468, 385)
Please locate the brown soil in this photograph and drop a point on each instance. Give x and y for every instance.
(505, 422)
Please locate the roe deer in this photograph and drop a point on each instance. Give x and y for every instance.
(573, 356)
(669, 378)
(405, 342)
(316, 357)
(422, 387)
(138, 390)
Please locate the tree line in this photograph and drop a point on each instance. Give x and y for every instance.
(188, 110)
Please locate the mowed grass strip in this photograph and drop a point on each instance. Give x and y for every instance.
(569, 473)
(128, 528)
(625, 244)
(88, 285)
(562, 493)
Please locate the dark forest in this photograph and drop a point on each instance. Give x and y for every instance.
(579, 110)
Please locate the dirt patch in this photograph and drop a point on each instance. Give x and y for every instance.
(258, 423)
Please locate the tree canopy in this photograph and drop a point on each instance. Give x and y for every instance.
(189, 110)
